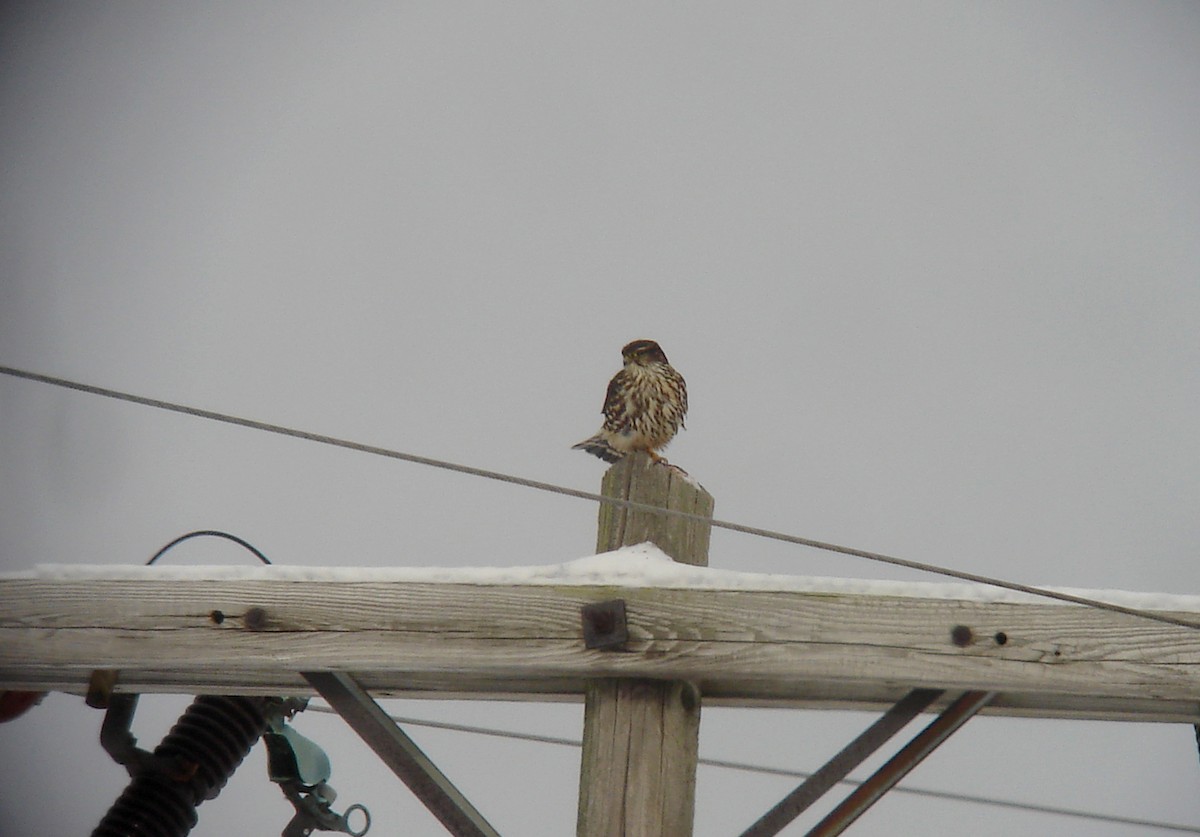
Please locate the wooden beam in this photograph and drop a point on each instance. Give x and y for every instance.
(638, 764)
(641, 737)
(742, 647)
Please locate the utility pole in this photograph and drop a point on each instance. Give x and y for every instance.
(641, 736)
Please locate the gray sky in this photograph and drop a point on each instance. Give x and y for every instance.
(932, 271)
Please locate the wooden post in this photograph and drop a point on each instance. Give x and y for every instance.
(641, 737)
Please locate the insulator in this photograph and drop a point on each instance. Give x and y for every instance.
(190, 765)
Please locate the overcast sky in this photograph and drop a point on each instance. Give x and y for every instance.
(931, 270)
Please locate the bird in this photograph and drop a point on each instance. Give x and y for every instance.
(643, 408)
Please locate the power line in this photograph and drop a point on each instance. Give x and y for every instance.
(949, 796)
(375, 450)
(629, 504)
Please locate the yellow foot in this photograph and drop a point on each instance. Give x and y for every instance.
(662, 460)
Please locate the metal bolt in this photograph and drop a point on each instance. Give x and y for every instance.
(961, 636)
(255, 619)
(604, 624)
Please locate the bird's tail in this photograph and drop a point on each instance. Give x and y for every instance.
(598, 446)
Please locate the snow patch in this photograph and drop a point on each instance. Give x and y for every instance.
(643, 565)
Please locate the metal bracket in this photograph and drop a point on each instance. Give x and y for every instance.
(839, 767)
(400, 753)
(302, 770)
(100, 687)
(858, 750)
(314, 811)
(120, 743)
(901, 764)
(605, 625)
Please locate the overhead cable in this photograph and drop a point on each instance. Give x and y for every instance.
(483, 473)
(949, 796)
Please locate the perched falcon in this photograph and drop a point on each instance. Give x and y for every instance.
(644, 407)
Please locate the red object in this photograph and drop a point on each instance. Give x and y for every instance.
(13, 704)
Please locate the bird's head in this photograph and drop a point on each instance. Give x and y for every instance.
(643, 353)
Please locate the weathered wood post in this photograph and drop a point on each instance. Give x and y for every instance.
(640, 737)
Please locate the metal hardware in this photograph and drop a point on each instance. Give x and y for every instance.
(604, 625)
(190, 765)
(302, 770)
(400, 753)
(100, 688)
(901, 764)
(838, 767)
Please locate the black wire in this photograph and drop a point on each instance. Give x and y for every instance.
(213, 533)
(880, 557)
(628, 504)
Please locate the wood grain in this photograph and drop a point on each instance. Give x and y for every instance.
(739, 647)
(641, 736)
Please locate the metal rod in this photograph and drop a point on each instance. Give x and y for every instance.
(401, 754)
(838, 767)
(901, 764)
